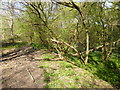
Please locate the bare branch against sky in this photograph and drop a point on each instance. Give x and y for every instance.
(60, 0)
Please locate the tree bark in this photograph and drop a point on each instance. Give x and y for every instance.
(87, 47)
(11, 30)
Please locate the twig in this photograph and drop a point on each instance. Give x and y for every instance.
(30, 75)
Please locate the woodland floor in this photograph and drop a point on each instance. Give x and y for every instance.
(21, 69)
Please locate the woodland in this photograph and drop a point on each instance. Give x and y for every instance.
(83, 34)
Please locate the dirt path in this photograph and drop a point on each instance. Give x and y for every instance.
(20, 69)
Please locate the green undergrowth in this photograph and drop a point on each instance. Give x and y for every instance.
(47, 56)
(96, 74)
(108, 71)
(105, 70)
(13, 45)
(39, 46)
(61, 74)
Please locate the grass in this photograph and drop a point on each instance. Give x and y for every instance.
(105, 70)
(48, 55)
(96, 74)
(61, 74)
(13, 45)
(38, 46)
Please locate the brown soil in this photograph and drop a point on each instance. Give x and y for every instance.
(20, 69)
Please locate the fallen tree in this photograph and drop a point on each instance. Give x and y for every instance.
(77, 54)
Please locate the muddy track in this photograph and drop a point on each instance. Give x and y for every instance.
(20, 69)
(16, 53)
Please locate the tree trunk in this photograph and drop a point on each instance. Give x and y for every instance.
(11, 30)
(11, 8)
(87, 46)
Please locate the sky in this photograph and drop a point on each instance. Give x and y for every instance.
(63, 0)
(108, 3)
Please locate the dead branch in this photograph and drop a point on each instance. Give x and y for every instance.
(59, 53)
(30, 75)
(59, 42)
(78, 54)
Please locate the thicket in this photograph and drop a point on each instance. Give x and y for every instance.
(84, 34)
